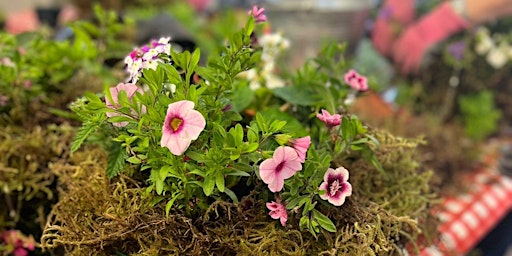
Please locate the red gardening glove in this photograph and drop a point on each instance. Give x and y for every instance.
(393, 16)
(19, 22)
(411, 47)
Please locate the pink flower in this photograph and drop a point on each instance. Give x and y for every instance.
(278, 211)
(130, 90)
(301, 146)
(258, 13)
(182, 125)
(283, 165)
(336, 186)
(356, 81)
(328, 119)
(19, 243)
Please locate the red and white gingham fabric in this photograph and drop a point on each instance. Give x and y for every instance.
(467, 218)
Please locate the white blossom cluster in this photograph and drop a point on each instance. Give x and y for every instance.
(496, 48)
(272, 45)
(147, 56)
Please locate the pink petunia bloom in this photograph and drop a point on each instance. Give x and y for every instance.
(283, 165)
(328, 119)
(336, 186)
(182, 125)
(356, 81)
(130, 90)
(301, 146)
(19, 243)
(258, 13)
(278, 211)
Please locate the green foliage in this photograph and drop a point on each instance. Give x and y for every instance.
(34, 67)
(228, 152)
(480, 115)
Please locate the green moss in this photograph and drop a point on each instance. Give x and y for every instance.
(96, 217)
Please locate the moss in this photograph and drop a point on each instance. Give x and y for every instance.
(24, 174)
(95, 216)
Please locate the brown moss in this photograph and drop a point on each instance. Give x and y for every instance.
(24, 173)
(95, 216)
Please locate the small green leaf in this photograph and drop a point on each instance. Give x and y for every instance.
(169, 204)
(208, 185)
(116, 160)
(84, 132)
(238, 173)
(262, 125)
(324, 221)
(231, 195)
(251, 147)
(133, 160)
(220, 182)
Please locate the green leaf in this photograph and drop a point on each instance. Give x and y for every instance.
(292, 124)
(84, 132)
(208, 185)
(172, 74)
(119, 119)
(242, 97)
(220, 182)
(346, 129)
(238, 173)
(324, 221)
(248, 148)
(169, 204)
(277, 125)
(231, 195)
(296, 202)
(133, 160)
(262, 124)
(116, 160)
(153, 78)
(297, 95)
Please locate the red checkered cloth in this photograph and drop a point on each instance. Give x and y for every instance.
(467, 218)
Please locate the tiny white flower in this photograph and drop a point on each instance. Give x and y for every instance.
(254, 85)
(272, 81)
(151, 54)
(164, 40)
(497, 58)
(152, 64)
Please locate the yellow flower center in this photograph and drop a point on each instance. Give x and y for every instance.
(176, 123)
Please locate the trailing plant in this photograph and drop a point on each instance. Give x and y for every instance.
(183, 135)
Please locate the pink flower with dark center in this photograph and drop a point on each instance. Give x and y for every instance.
(336, 186)
(301, 146)
(328, 119)
(258, 14)
(278, 211)
(182, 125)
(356, 81)
(130, 90)
(283, 165)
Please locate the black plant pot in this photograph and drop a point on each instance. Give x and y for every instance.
(48, 16)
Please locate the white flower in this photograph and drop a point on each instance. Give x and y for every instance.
(497, 57)
(151, 64)
(254, 85)
(164, 40)
(272, 81)
(484, 41)
(151, 54)
(249, 74)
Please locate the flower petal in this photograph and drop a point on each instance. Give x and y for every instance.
(340, 196)
(194, 124)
